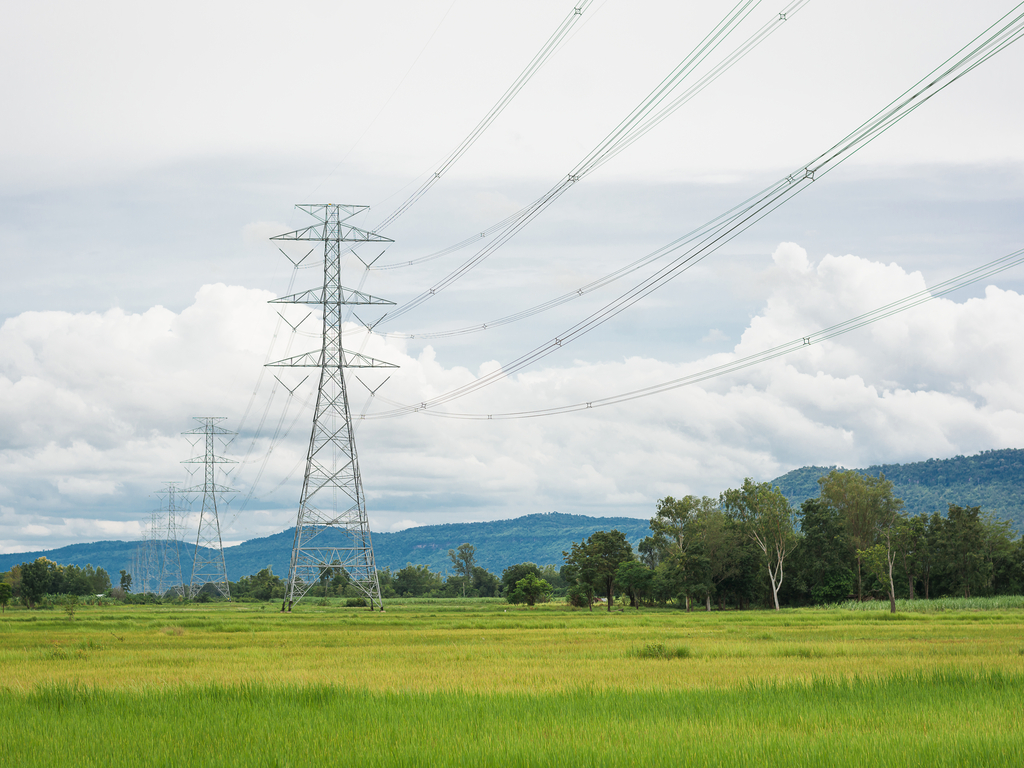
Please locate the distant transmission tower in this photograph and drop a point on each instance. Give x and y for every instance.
(332, 531)
(171, 576)
(209, 567)
(154, 553)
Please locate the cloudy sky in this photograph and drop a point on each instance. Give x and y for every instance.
(148, 153)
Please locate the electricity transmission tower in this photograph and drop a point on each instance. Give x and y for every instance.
(209, 567)
(170, 556)
(146, 559)
(332, 531)
(154, 554)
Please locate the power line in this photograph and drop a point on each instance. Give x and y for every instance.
(652, 110)
(998, 36)
(902, 305)
(538, 61)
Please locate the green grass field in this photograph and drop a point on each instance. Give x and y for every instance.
(478, 682)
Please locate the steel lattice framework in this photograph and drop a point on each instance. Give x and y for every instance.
(209, 567)
(171, 576)
(332, 500)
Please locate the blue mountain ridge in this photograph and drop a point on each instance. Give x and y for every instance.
(992, 480)
(537, 538)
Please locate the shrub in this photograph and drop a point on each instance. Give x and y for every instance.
(577, 596)
(70, 604)
(661, 651)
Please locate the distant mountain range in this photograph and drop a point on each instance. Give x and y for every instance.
(539, 538)
(993, 480)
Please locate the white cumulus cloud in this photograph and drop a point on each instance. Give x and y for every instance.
(94, 403)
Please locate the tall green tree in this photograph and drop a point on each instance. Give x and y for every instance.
(998, 547)
(463, 560)
(511, 575)
(966, 566)
(825, 553)
(635, 579)
(719, 544)
(578, 592)
(5, 594)
(674, 518)
(677, 526)
(888, 519)
(934, 546)
(485, 583)
(767, 518)
(416, 581)
(264, 585)
(862, 501)
(912, 543)
(598, 558)
(35, 580)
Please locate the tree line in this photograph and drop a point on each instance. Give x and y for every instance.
(29, 583)
(751, 547)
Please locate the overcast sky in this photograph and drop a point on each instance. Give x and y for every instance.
(148, 153)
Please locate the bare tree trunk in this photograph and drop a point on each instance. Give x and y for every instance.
(860, 592)
(708, 602)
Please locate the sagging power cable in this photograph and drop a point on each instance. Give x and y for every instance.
(655, 107)
(902, 305)
(1007, 30)
(538, 61)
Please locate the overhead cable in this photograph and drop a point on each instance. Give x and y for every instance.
(902, 305)
(1003, 33)
(549, 47)
(632, 122)
(656, 106)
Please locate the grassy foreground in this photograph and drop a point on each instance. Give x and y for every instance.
(481, 683)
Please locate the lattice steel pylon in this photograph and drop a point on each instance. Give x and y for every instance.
(208, 566)
(171, 576)
(332, 490)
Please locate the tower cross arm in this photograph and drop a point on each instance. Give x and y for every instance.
(209, 426)
(316, 296)
(334, 231)
(315, 360)
(212, 487)
(203, 460)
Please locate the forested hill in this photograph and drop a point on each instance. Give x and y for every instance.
(538, 538)
(993, 480)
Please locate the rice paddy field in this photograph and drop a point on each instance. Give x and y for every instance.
(479, 682)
